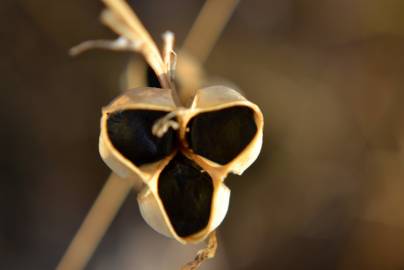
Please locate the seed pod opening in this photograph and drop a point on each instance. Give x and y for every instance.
(222, 131)
(186, 193)
(183, 201)
(221, 135)
(126, 143)
(130, 132)
(151, 78)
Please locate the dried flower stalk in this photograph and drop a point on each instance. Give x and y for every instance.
(207, 28)
(96, 223)
(203, 254)
(133, 37)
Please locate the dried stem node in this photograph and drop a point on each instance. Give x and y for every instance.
(204, 254)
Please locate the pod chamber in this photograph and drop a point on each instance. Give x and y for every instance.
(130, 132)
(223, 134)
(186, 193)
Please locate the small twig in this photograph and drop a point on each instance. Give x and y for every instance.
(120, 44)
(204, 254)
(133, 36)
(96, 223)
(208, 26)
(123, 20)
(169, 56)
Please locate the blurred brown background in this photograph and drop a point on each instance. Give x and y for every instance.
(327, 191)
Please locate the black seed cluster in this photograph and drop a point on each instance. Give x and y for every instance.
(223, 134)
(186, 192)
(130, 132)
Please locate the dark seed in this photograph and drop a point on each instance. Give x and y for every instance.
(152, 79)
(130, 132)
(186, 192)
(221, 135)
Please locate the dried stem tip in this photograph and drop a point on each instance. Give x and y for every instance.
(204, 254)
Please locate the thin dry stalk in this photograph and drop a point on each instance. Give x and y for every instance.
(133, 37)
(122, 19)
(169, 56)
(96, 223)
(120, 44)
(203, 254)
(207, 28)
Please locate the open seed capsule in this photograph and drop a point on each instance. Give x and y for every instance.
(126, 143)
(223, 130)
(184, 196)
(183, 201)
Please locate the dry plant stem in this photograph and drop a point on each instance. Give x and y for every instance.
(133, 37)
(203, 254)
(170, 61)
(121, 18)
(208, 27)
(120, 44)
(96, 223)
(169, 56)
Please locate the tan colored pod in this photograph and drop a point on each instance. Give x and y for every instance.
(161, 215)
(151, 99)
(184, 196)
(221, 100)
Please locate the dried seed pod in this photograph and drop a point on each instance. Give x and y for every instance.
(126, 143)
(183, 201)
(222, 130)
(184, 196)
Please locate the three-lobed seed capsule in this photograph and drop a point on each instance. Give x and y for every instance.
(184, 196)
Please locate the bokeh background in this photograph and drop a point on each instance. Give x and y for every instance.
(327, 191)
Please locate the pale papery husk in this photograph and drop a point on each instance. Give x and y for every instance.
(216, 98)
(153, 211)
(140, 98)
